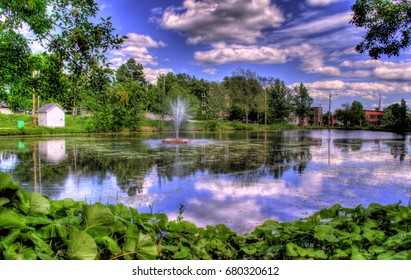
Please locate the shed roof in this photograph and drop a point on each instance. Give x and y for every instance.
(47, 107)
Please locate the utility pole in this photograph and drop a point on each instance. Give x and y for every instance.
(265, 105)
(35, 74)
(329, 109)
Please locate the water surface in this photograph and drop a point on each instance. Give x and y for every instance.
(239, 178)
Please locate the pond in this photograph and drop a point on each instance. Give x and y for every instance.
(240, 179)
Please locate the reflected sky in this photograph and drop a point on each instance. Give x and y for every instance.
(240, 179)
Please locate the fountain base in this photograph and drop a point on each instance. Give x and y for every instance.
(175, 141)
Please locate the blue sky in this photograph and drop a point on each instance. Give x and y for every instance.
(309, 41)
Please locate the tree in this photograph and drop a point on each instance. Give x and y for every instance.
(68, 29)
(396, 117)
(351, 114)
(131, 71)
(301, 102)
(243, 88)
(279, 102)
(387, 24)
(216, 101)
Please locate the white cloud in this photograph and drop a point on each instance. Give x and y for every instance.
(321, 2)
(399, 74)
(323, 24)
(222, 53)
(210, 21)
(210, 71)
(384, 70)
(136, 46)
(152, 74)
(364, 90)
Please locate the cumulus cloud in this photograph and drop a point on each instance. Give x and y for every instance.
(136, 46)
(364, 90)
(311, 57)
(211, 21)
(223, 53)
(152, 74)
(384, 70)
(210, 71)
(321, 2)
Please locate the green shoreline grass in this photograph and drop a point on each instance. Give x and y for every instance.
(78, 124)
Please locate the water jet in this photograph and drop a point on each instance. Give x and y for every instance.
(178, 109)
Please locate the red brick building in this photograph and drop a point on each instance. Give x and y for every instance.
(374, 116)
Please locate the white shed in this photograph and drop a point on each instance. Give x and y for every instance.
(50, 115)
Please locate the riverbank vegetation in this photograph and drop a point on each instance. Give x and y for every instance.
(35, 227)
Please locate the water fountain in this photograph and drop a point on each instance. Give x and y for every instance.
(178, 108)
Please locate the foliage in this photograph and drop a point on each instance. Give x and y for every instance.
(279, 102)
(35, 227)
(302, 102)
(396, 117)
(243, 88)
(351, 115)
(387, 24)
(131, 71)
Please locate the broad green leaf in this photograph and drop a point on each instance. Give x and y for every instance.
(386, 255)
(146, 249)
(325, 232)
(98, 215)
(374, 235)
(10, 238)
(108, 243)
(10, 219)
(40, 245)
(183, 254)
(403, 255)
(293, 250)
(170, 248)
(38, 220)
(356, 254)
(249, 250)
(39, 204)
(81, 246)
(17, 251)
(4, 201)
(330, 213)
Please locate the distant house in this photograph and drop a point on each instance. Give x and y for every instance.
(315, 117)
(51, 115)
(374, 116)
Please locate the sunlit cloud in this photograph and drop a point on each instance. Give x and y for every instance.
(211, 21)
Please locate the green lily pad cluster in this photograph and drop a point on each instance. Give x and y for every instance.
(35, 227)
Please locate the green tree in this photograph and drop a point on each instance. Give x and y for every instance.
(131, 71)
(301, 102)
(216, 101)
(396, 117)
(387, 24)
(279, 102)
(352, 114)
(68, 29)
(243, 88)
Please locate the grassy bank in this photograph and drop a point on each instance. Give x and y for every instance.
(35, 227)
(78, 124)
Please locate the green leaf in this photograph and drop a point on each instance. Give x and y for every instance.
(98, 215)
(10, 219)
(39, 204)
(4, 201)
(38, 220)
(81, 246)
(330, 213)
(10, 238)
(146, 249)
(108, 243)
